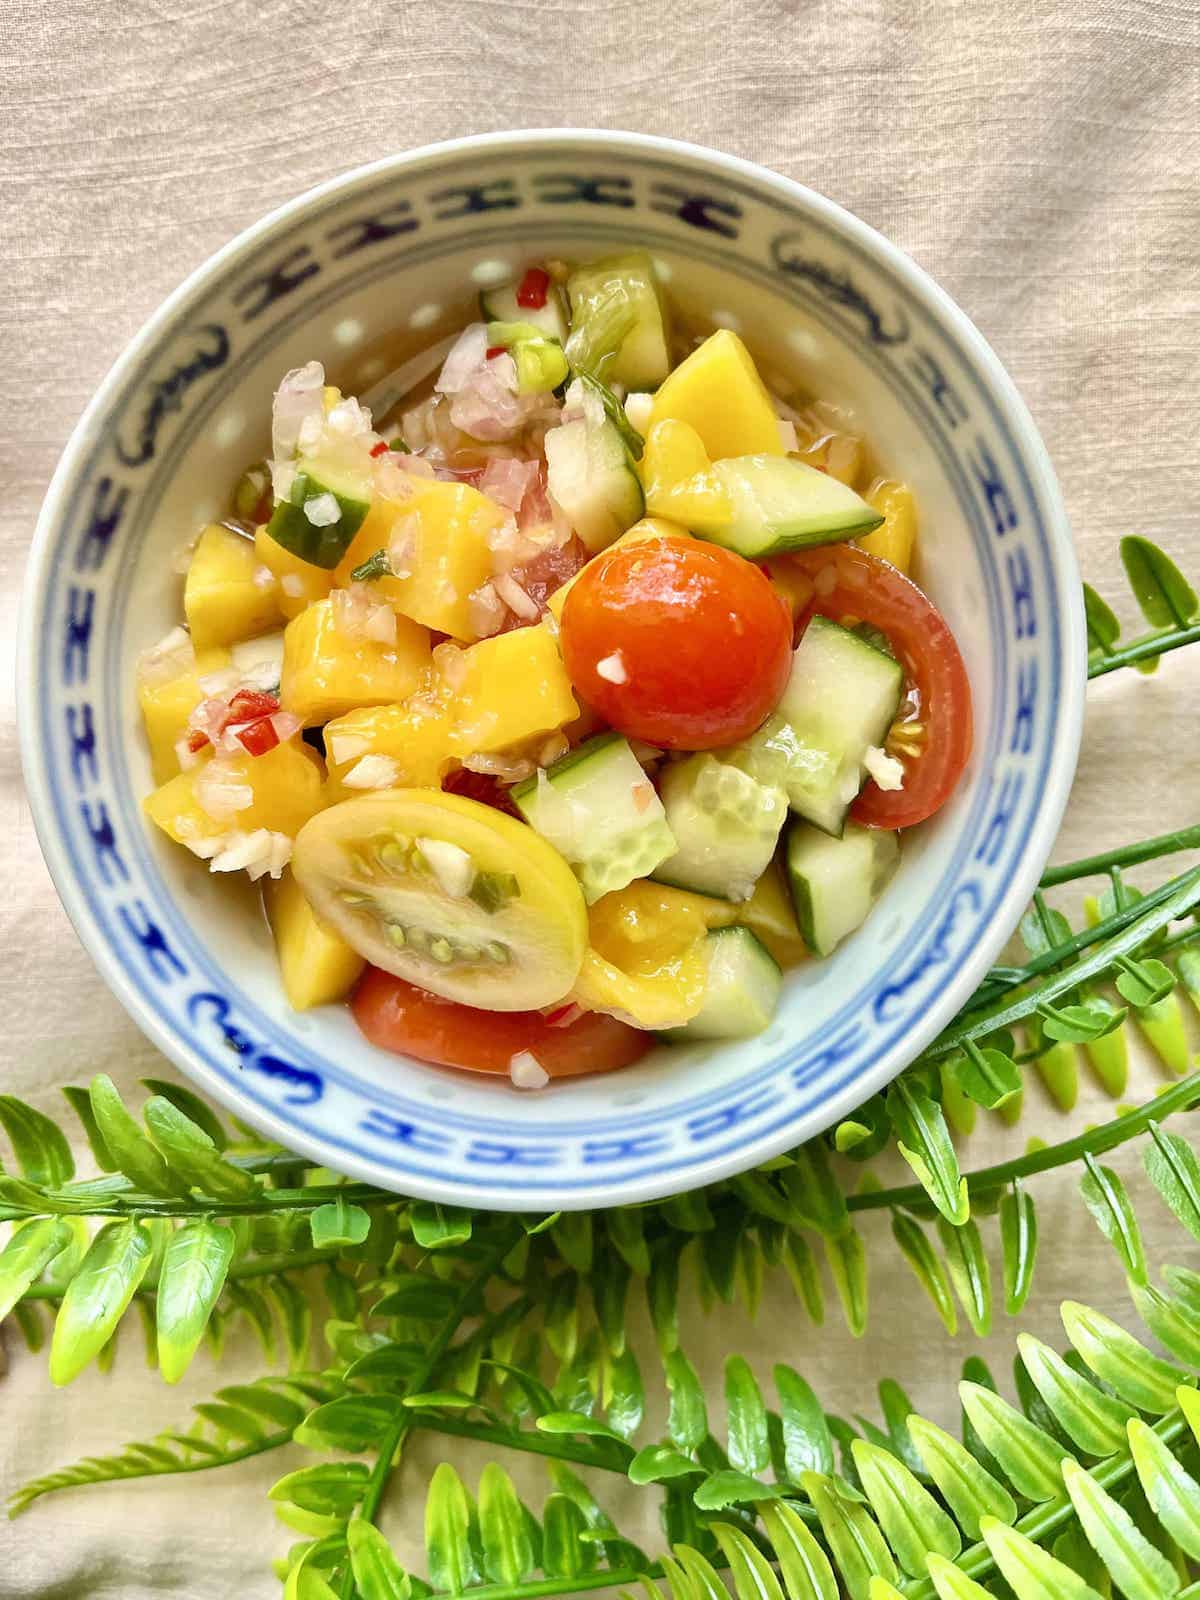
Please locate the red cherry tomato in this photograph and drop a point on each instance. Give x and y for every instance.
(398, 1016)
(698, 641)
(849, 582)
(483, 787)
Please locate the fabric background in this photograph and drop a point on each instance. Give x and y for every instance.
(1040, 159)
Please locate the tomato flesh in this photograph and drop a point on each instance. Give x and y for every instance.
(698, 639)
(848, 582)
(398, 1016)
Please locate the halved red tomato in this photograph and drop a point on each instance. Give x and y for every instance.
(396, 1015)
(849, 583)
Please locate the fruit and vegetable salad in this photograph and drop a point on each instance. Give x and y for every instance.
(561, 689)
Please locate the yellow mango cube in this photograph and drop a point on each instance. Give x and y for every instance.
(647, 528)
(167, 706)
(300, 583)
(718, 391)
(678, 479)
(327, 672)
(416, 736)
(445, 529)
(222, 596)
(893, 540)
(286, 787)
(513, 687)
(770, 916)
(316, 966)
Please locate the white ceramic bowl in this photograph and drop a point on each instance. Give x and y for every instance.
(188, 404)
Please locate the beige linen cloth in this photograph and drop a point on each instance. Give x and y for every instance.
(1039, 158)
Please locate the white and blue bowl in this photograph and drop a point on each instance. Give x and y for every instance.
(188, 405)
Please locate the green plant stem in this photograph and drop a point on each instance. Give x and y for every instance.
(1153, 644)
(1164, 844)
(1180, 1096)
(394, 1438)
(562, 1447)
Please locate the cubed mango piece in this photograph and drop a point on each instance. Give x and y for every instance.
(647, 528)
(327, 672)
(222, 596)
(286, 784)
(417, 736)
(316, 966)
(445, 528)
(771, 918)
(678, 479)
(167, 706)
(300, 583)
(512, 688)
(893, 540)
(718, 391)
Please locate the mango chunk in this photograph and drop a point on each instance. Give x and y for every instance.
(893, 540)
(513, 687)
(718, 391)
(300, 583)
(167, 706)
(328, 672)
(769, 915)
(286, 789)
(416, 736)
(316, 966)
(222, 597)
(444, 530)
(678, 479)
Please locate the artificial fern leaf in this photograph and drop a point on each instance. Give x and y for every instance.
(1172, 1167)
(925, 1143)
(848, 1267)
(728, 1487)
(377, 1573)
(808, 1444)
(1026, 1455)
(1018, 1245)
(745, 1419)
(1163, 593)
(80, 1103)
(190, 1280)
(1091, 1419)
(1172, 1493)
(969, 1272)
(27, 1254)
(352, 1422)
(338, 1224)
(1030, 1571)
(128, 1146)
(801, 1267)
(192, 1107)
(803, 1564)
(508, 1556)
(1121, 1361)
(39, 1145)
(626, 1229)
(881, 1589)
(814, 1192)
(97, 1297)
(912, 1521)
(752, 1576)
(565, 1553)
(1107, 1198)
(967, 1487)
(927, 1267)
(662, 1297)
(859, 1549)
(1135, 1566)
(610, 1293)
(1172, 1322)
(624, 1394)
(1103, 629)
(953, 1584)
(447, 1527)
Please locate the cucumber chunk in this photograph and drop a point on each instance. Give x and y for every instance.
(500, 305)
(840, 700)
(742, 990)
(540, 362)
(599, 810)
(322, 513)
(835, 882)
(590, 475)
(618, 322)
(780, 504)
(727, 825)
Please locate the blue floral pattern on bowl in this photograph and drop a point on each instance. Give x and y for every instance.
(393, 243)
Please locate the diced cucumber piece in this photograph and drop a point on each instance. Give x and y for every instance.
(840, 699)
(780, 504)
(539, 360)
(500, 305)
(599, 810)
(615, 412)
(727, 824)
(835, 882)
(590, 475)
(742, 990)
(618, 322)
(322, 513)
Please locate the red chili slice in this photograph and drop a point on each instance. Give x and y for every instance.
(256, 738)
(494, 350)
(380, 449)
(533, 289)
(248, 705)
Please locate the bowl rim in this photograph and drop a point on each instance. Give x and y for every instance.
(1061, 762)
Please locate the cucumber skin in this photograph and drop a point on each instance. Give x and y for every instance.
(752, 949)
(320, 546)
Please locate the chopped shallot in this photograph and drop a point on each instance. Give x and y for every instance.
(292, 585)
(322, 510)
(887, 772)
(508, 481)
(343, 747)
(257, 853)
(787, 436)
(298, 398)
(450, 661)
(612, 668)
(637, 409)
(373, 772)
(508, 769)
(220, 792)
(527, 1072)
(485, 610)
(171, 656)
(511, 592)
